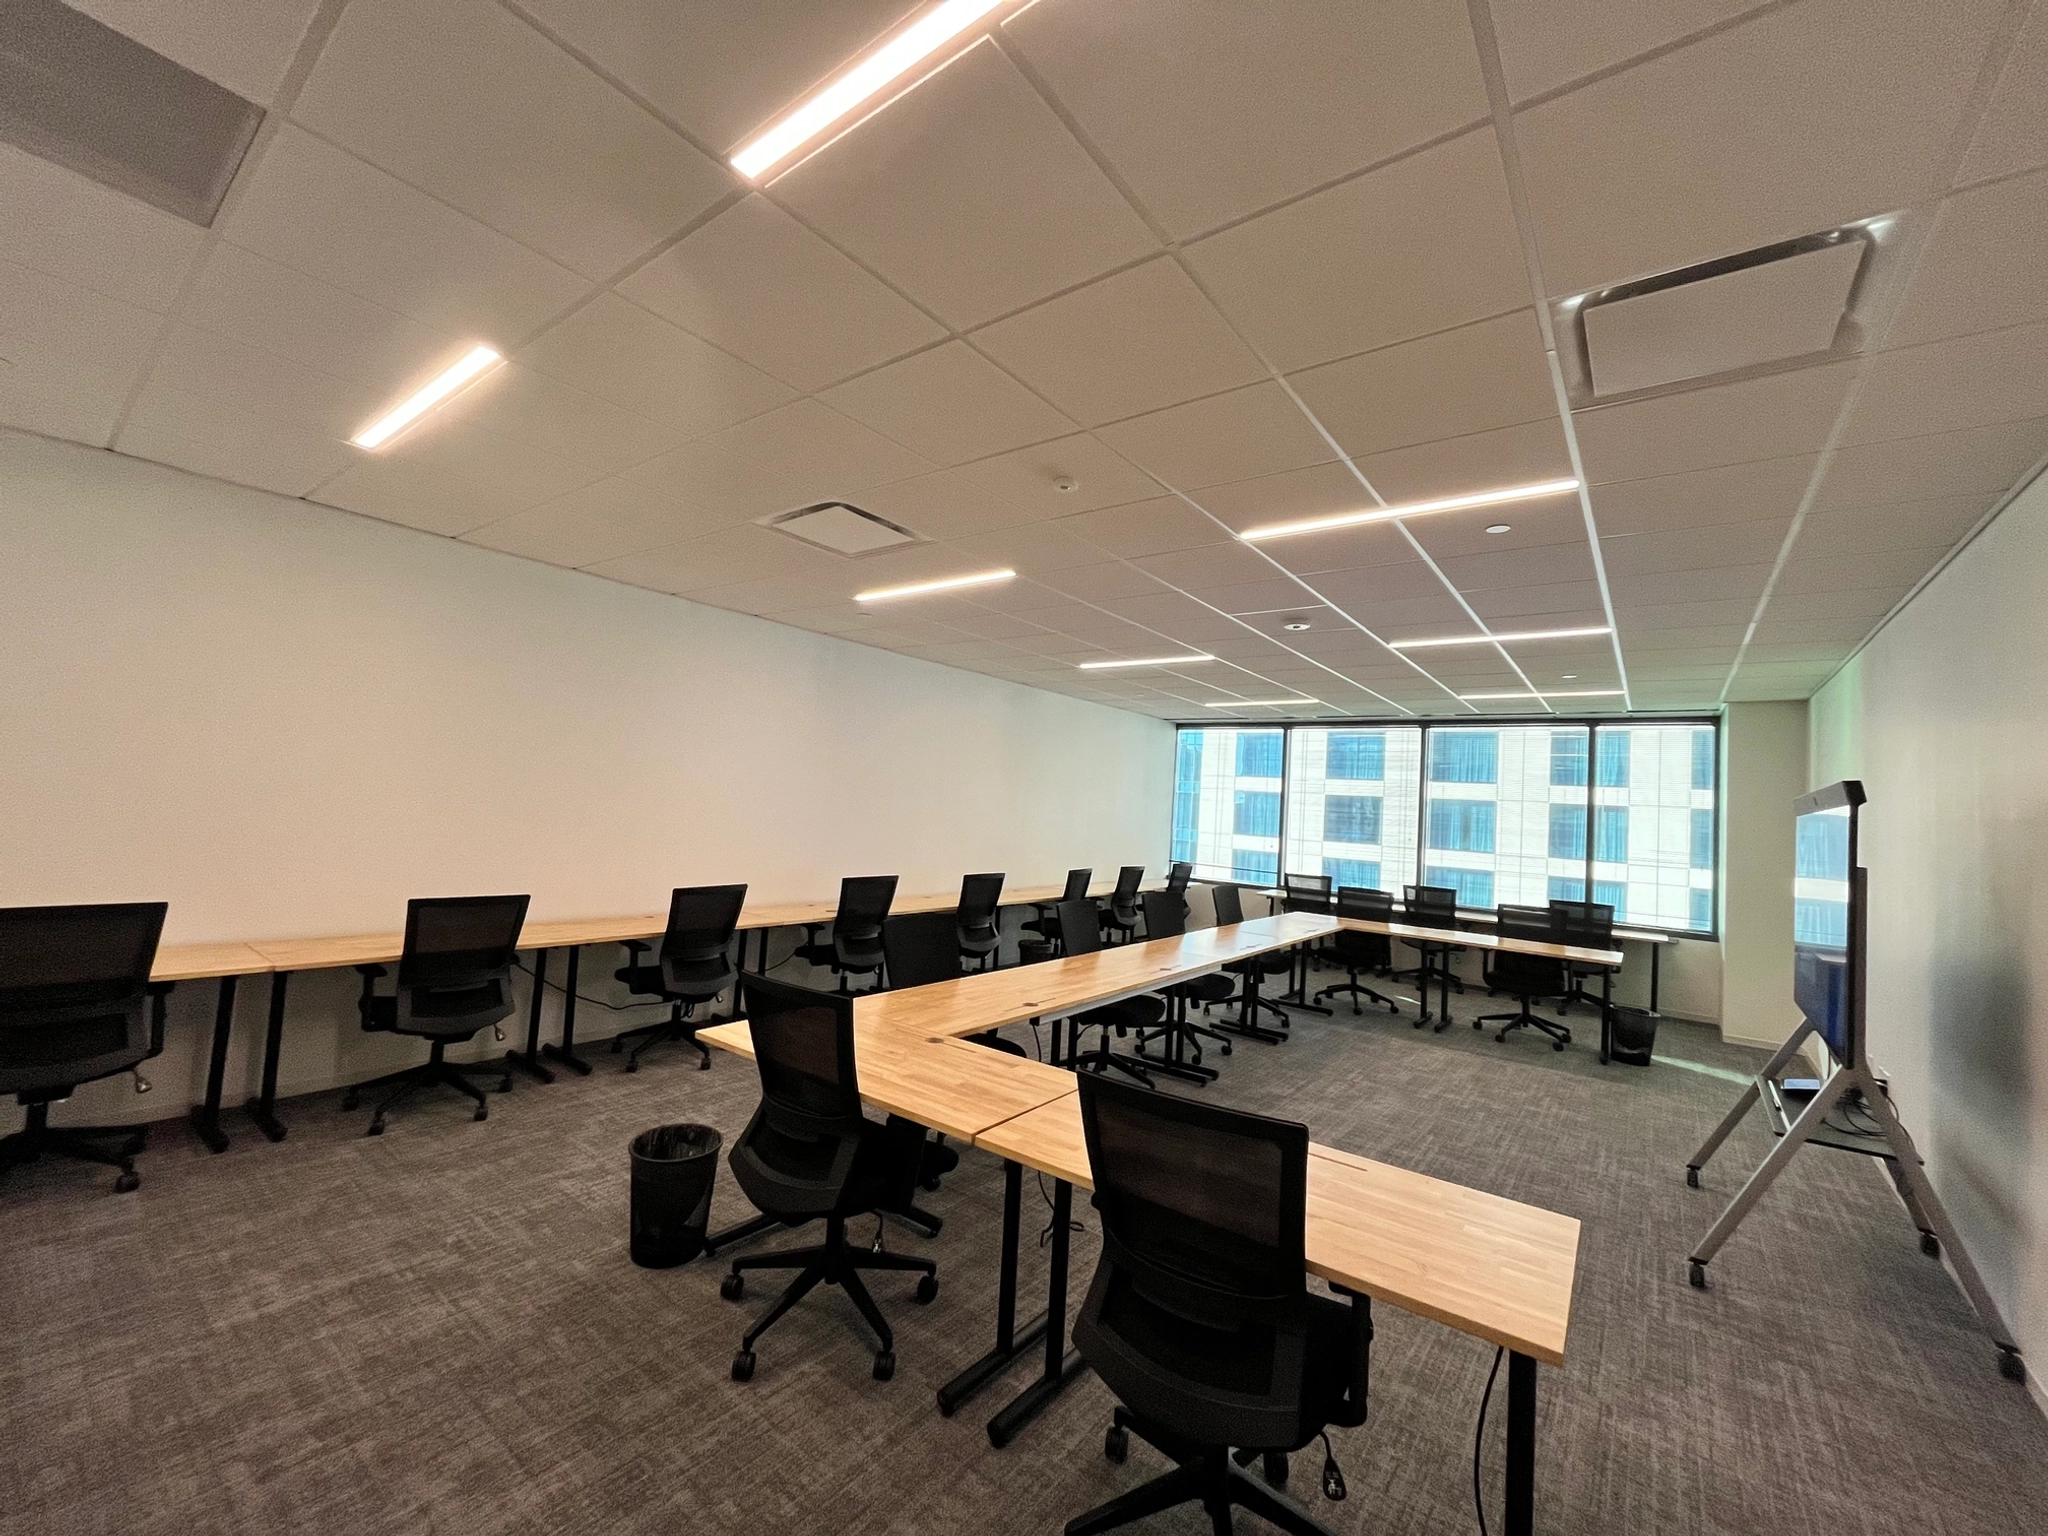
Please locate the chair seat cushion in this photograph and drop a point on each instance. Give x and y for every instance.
(1206, 989)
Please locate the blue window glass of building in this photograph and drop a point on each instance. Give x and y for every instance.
(1257, 813)
(1610, 834)
(1821, 851)
(1568, 757)
(1259, 754)
(1701, 915)
(1357, 755)
(1351, 818)
(1474, 886)
(1255, 868)
(1352, 872)
(1463, 826)
(1703, 759)
(1612, 893)
(1464, 757)
(1187, 793)
(1564, 888)
(1611, 759)
(1702, 839)
(1823, 923)
(1568, 832)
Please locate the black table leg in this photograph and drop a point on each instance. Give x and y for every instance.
(1521, 1469)
(528, 1060)
(1062, 1365)
(206, 1116)
(263, 1108)
(1010, 1340)
(1425, 973)
(1296, 995)
(565, 1053)
(1606, 1014)
(1656, 965)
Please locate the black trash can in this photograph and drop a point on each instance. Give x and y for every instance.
(1634, 1036)
(1031, 951)
(674, 1169)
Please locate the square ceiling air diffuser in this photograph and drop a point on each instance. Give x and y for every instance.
(842, 528)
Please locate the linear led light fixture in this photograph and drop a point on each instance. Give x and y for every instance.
(472, 365)
(944, 584)
(1526, 634)
(1257, 703)
(1566, 693)
(865, 80)
(1497, 498)
(1146, 661)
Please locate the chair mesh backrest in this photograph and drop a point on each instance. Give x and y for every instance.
(1588, 924)
(1128, 880)
(803, 1046)
(66, 961)
(701, 922)
(1078, 881)
(1178, 876)
(1307, 893)
(1536, 973)
(921, 948)
(1432, 905)
(863, 906)
(979, 896)
(1080, 927)
(456, 942)
(1229, 905)
(1363, 904)
(1202, 1206)
(1166, 915)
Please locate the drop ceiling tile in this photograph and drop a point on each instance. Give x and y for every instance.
(245, 45)
(1796, 120)
(1843, 631)
(1215, 565)
(1030, 477)
(1568, 603)
(999, 626)
(726, 558)
(1851, 571)
(1981, 461)
(1158, 527)
(816, 447)
(950, 404)
(600, 522)
(1328, 629)
(264, 385)
(1137, 341)
(1774, 417)
(1241, 112)
(1349, 589)
(1418, 246)
(622, 353)
(774, 594)
(711, 479)
(318, 210)
(1286, 497)
(465, 101)
(1248, 432)
(1482, 461)
(969, 194)
(1032, 549)
(1554, 520)
(423, 496)
(71, 355)
(945, 505)
(1968, 381)
(1868, 603)
(1656, 646)
(1546, 43)
(1985, 266)
(523, 404)
(1763, 652)
(2013, 133)
(1473, 379)
(1420, 613)
(1693, 549)
(1633, 615)
(209, 435)
(1369, 545)
(1895, 525)
(1516, 567)
(509, 474)
(760, 285)
(65, 226)
(1183, 618)
(1101, 584)
(1731, 493)
(1267, 596)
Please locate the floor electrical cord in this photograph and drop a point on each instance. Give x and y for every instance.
(1479, 1440)
(595, 1002)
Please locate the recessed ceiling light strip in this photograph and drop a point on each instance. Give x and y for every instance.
(1568, 693)
(1146, 661)
(1501, 497)
(1258, 703)
(944, 584)
(471, 366)
(1508, 639)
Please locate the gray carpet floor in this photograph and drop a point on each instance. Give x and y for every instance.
(439, 1330)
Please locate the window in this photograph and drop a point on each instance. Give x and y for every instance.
(1461, 826)
(1259, 754)
(1610, 834)
(1458, 756)
(1822, 850)
(1566, 888)
(1701, 913)
(1821, 923)
(1703, 759)
(1255, 868)
(1352, 872)
(1357, 755)
(1351, 819)
(1187, 792)
(1613, 759)
(1612, 893)
(1568, 757)
(1702, 839)
(1568, 834)
(1257, 813)
(1474, 886)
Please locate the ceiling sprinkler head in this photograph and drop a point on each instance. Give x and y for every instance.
(1066, 485)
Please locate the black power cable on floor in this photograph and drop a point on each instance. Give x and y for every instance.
(1479, 1439)
(585, 997)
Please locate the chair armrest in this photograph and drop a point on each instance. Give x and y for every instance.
(635, 948)
(159, 1007)
(370, 972)
(1352, 1413)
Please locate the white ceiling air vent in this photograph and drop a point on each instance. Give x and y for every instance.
(843, 529)
(87, 97)
(1743, 312)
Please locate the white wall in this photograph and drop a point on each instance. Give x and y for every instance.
(1763, 770)
(1944, 716)
(285, 720)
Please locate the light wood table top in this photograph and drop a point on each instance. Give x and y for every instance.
(1473, 1261)
(191, 962)
(1491, 941)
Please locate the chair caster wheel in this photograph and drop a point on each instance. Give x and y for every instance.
(928, 1290)
(1696, 1274)
(1501, 1038)
(376, 1128)
(885, 1365)
(483, 1112)
(1930, 1245)
(129, 1180)
(1226, 1047)
(2011, 1366)
(1557, 1045)
(505, 1086)
(1275, 1469)
(930, 1186)
(632, 1066)
(1692, 1178)
(351, 1101)
(743, 1365)
(704, 1065)
(1116, 1444)
(733, 1287)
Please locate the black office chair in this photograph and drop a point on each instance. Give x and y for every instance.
(1431, 906)
(76, 1005)
(1047, 924)
(1082, 935)
(1253, 972)
(1177, 878)
(1587, 925)
(454, 978)
(810, 1153)
(1120, 917)
(855, 948)
(980, 919)
(1199, 1318)
(1166, 917)
(692, 969)
(1363, 954)
(1528, 977)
